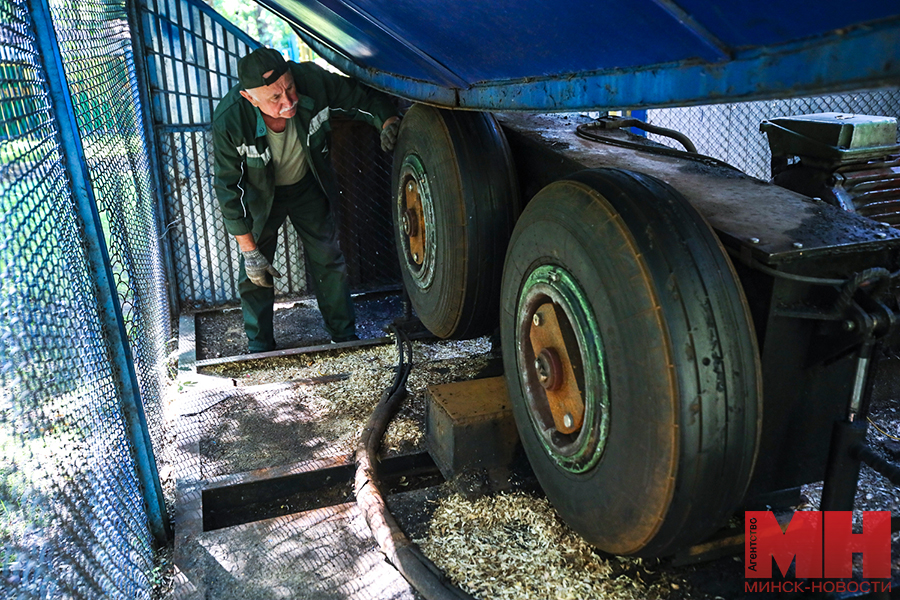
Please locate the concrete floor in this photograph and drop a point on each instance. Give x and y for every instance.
(320, 553)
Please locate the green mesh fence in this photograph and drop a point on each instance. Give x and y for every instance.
(73, 523)
(96, 45)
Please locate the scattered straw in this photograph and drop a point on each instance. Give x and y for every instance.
(516, 546)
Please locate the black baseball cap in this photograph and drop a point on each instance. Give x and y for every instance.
(262, 60)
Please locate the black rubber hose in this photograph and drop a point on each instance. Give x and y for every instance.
(406, 557)
(586, 131)
(879, 276)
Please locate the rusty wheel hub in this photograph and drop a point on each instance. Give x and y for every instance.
(549, 369)
(553, 368)
(562, 366)
(412, 223)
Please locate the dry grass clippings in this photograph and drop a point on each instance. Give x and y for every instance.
(367, 372)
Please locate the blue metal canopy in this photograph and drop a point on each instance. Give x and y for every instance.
(546, 56)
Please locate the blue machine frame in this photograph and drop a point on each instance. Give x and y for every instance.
(512, 55)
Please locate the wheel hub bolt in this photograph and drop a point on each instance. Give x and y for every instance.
(541, 370)
(554, 277)
(416, 256)
(537, 319)
(548, 368)
(409, 187)
(408, 222)
(568, 420)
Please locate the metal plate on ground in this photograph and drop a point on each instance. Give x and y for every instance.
(320, 554)
(323, 553)
(260, 427)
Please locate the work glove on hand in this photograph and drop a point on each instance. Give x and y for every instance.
(258, 268)
(389, 136)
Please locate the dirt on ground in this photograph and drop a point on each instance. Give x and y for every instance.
(298, 323)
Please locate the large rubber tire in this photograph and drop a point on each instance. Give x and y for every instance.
(664, 353)
(461, 165)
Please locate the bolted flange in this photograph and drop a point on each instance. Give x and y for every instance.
(549, 370)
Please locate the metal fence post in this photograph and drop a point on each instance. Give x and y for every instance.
(134, 8)
(98, 262)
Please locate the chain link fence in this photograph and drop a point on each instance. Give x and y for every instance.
(192, 57)
(730, 132)
(73, 518)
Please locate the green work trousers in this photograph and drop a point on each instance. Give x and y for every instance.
(307, 207)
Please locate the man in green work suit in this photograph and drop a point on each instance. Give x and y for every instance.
(271, 163)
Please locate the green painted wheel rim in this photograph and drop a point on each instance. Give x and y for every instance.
(413, 169)
(580, 451)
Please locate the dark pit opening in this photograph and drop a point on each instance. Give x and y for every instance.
(231, 505)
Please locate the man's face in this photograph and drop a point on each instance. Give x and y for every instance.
(278, 100)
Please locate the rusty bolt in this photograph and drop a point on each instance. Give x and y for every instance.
(549, 369)
(409, 223)
(542, 372)
(537, 319)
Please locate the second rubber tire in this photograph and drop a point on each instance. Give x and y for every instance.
(454, 207)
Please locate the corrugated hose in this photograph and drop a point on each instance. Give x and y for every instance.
(399, 550)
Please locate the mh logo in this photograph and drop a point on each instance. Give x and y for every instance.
(823, 544)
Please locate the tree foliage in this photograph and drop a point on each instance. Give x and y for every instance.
(263, 25)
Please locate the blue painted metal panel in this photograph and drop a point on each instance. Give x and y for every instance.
(515, 55)
(746, 24)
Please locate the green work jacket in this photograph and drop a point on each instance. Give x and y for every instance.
(244, 172)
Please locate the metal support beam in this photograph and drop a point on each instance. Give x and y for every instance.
(113, 324)
(842, 472)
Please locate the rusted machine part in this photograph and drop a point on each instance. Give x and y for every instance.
(850, 161)
(549, 369)
(413, 222)
(871, 189)
(872, 321)
(402, 553)
(553, 368)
